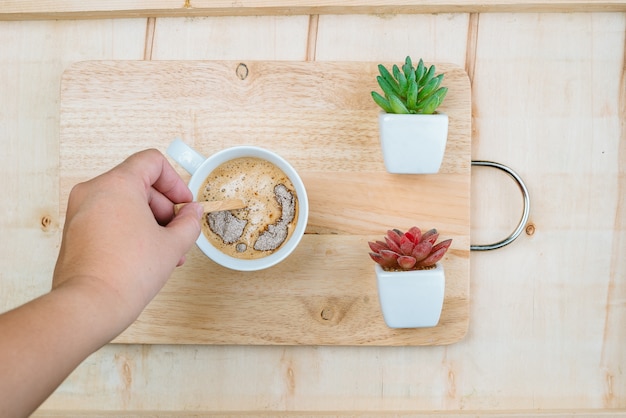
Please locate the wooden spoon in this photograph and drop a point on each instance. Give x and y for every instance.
(216, 205)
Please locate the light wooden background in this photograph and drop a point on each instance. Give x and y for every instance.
(548, 313)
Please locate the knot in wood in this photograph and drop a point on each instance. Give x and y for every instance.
(242, 71)
(327, 314)
(530, 229)
(45, 222)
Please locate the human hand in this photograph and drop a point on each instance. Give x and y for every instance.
(121, 242)
(121, 238)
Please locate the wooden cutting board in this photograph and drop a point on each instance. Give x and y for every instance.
(320, 117)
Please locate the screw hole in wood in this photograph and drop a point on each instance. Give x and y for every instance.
(242, 71)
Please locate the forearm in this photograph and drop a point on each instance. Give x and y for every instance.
(42, 341)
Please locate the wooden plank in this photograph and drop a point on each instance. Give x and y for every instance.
(280, 38)
(70, 9)
(591, 413)
(574, 198)
(394, 42)
(327, 128)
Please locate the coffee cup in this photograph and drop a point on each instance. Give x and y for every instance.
(202, 172)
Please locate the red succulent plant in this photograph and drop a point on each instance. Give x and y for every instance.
(410, 250)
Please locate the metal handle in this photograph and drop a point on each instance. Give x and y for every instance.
(525, 214)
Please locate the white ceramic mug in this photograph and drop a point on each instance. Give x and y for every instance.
(200, 167)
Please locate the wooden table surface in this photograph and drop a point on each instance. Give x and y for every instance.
(546, 333)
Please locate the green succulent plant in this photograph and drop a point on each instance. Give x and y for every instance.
(410, 90)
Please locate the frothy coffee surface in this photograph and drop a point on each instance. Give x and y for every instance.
(269, 217)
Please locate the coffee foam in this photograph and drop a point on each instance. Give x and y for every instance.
(254, 181)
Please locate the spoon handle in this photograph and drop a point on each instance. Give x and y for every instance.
(216, 206)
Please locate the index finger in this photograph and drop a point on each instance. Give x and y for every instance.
(156, 172)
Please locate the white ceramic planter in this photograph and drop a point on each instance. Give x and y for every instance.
(411, 299)
(413, 144)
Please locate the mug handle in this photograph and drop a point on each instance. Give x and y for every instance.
(183, 154)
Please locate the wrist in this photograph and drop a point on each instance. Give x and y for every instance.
(104, 311)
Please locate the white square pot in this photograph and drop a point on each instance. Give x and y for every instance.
(413, 144)
(411, 299)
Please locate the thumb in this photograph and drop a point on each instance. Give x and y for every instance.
(185, 228)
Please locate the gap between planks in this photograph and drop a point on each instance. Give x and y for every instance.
(472, 45)
(149, 41)
(470, 63)
(311, 44)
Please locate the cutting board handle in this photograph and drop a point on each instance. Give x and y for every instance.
(525, 214)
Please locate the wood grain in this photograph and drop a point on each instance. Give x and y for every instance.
(546, 335)
(320, 117)
(342, 414)
(67, 9)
